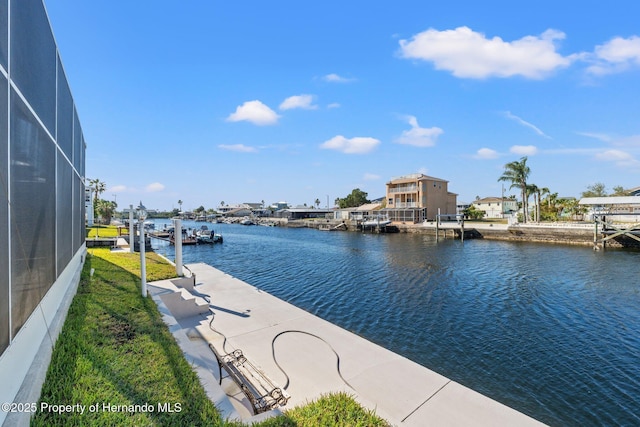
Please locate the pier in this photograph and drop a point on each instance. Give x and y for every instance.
(307, 357)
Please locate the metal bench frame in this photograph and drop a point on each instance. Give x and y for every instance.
(263, 394)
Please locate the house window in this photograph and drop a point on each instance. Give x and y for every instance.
(390, 201)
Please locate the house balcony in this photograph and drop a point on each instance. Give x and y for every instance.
(402, 205)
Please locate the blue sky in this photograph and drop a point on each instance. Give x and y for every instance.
(296, 101)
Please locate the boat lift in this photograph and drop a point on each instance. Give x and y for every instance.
(444, 222)
(606, 208)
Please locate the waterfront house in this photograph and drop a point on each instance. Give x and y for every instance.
(496, 207)
(616, 209)
(358, 213)
(461, 207)
(418, 197)
(279, 206)
(302, 213)
(235, 210)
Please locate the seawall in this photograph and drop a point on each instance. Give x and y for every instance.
(554, 233)
(581, 234)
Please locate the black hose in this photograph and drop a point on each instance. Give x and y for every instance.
(273, 353)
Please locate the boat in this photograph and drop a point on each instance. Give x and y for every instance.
(204, 235)
(376, 221)
(329, 227)
(186, 239)
(246, 221)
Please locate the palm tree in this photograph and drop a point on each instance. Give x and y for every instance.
(517, 173)
(98, 186)
(317, 202)
(541, 192)
(533, 189)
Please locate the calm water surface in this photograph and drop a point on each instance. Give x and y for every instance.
(552, 331)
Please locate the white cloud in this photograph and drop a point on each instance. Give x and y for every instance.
(357, 145)
(600, 136)
(621, 159)
(241, 148)
(614, 155)
(517, 119)
(371, 177)
(154, 187)
(617, 55)
(571, 151)
(304, 102)
(254, 112)
(524, 150)
(417, 136)
(335, 78)
(119, 188)
(629, 141)
(334, 105)
(469, 54)
(486, 153)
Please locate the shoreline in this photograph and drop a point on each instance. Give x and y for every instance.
(575, 234)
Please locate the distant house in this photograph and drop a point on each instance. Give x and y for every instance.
(279, 206)
(461, 207)
(496, 207)
(358, 213)
(418, 197)
(302, 213)
(634, 191)
(254, 206)
(235, 210)
(617, 209)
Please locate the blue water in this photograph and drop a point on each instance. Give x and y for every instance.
(552, 331)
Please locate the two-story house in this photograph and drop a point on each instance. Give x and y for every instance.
(496, 207)
(418, 197)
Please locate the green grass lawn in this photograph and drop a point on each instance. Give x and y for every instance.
(115, 350)
(103, 231)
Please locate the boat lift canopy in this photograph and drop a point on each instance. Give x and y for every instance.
(604, 207)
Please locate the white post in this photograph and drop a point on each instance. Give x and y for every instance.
(143, 265)
(132, 235)
(89, 205)
(177, 240)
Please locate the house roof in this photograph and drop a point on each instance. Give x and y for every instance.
(414, 177)
(610, 201)
(491, 200)
(635, 191)
(368, 207)
(305, 210)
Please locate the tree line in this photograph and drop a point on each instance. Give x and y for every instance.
(551, 207)
(548, 205)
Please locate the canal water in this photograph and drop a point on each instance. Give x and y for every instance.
(552, 331)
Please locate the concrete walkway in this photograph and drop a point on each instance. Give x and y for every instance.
(314, 356)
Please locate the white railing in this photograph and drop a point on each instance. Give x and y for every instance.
(405, 205)
(588, 225)
(411, 188)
